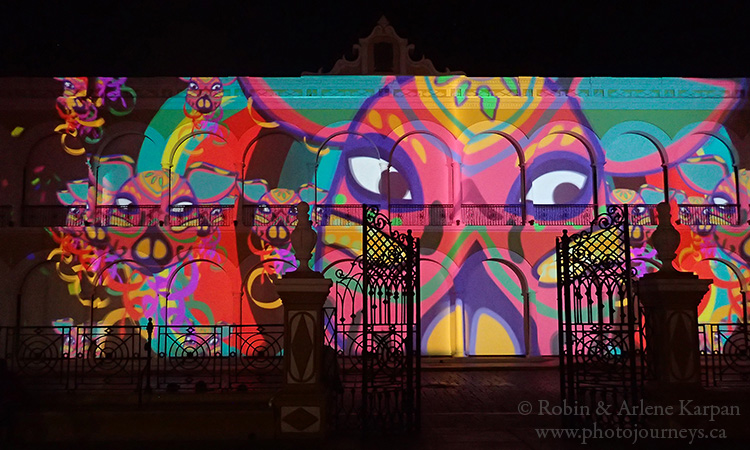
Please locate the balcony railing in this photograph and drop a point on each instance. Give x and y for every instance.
(421, 215)
(53, 215)
(689, 214)
(709, 214)
(643, 215)
(201, 215)
(489, 215)
(564, 214)
(265, 215)
(127, 216)
(6, 215)
(338, 215)
(351, 215)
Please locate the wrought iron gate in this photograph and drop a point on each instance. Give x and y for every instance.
(599, 321)
(373, 318)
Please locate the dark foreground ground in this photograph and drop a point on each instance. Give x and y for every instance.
(469, 404)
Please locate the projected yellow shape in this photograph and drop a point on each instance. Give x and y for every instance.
(492, 338)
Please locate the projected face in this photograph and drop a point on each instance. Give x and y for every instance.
(204, 94)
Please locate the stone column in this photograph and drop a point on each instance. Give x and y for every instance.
(300, 405)
(670, 299)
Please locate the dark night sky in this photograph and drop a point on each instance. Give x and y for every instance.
(483, 38)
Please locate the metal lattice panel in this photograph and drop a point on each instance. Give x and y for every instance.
(600, 324)
(372, 323)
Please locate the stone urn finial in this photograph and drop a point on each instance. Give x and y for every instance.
(665, 238)
(303, 238)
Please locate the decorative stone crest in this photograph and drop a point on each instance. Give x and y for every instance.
(384, 52)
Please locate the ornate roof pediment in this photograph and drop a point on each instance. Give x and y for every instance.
(384, 52)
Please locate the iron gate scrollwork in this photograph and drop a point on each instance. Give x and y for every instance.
(601, 335)
(372, 323)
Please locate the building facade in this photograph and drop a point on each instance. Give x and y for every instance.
(173, 199)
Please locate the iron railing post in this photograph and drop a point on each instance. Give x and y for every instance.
(149, 350)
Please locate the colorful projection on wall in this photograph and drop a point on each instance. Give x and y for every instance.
(482, 148)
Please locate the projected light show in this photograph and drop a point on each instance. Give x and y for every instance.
(487, 172)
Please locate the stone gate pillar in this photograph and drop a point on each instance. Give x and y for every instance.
(670, 299)
(300, 405)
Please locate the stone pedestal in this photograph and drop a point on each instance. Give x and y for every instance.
(670, 300)
(300, 405)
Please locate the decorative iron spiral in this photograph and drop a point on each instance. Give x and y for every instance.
(260, 352)
(108, 354)
(192, 352)
(39, 355)
(737, 352)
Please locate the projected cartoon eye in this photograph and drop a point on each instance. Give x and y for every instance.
(67, 85)
(182, 206)
(557, 187)
(264, 209)
(718, 200)
(216, 87)
(193, 86)
(123, 202)
(370, 174)
(293, 211)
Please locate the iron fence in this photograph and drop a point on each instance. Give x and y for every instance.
(127, 216)
(135, 358)
(488, 215)
(726, 353)
(421, 215)
(564, 214)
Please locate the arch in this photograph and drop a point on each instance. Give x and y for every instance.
(22, 285)
(446, 329)
(593, 158)
(525, 294)
(60, 166)
(733, 154)
(242, 175)
(521, 164)
(636, 148)
(119, 131)
(393, 149)
(662, 155)
(257, 138)
(95, 160)
(100, 274)
(173, 151)
(184, 139)
(174, 273)
(514, 133)
(740, 280)
(322, 147)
